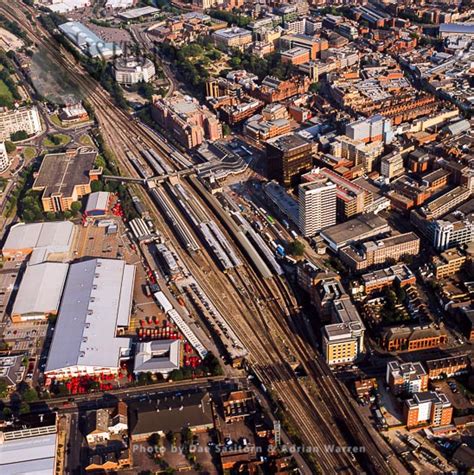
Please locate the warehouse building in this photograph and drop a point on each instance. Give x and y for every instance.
(88, 42)
(97, 300)
(97, 204)
(40, 291)
(30, 446)
(66, 177)
(41, 241)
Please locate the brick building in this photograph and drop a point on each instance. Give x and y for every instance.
(428, 409)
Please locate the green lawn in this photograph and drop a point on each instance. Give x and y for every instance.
(56, 120)
(29, 153)
(5, 92)
(62, 140)
(86, 140)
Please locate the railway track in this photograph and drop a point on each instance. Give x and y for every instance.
(262, 330)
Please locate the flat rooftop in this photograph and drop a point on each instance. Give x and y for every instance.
(61, 172)
(97, 299)
(358, 228)
(138, 12)
(288, 142)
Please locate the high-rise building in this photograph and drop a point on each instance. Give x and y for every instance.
(317, 206)
(289, 156)
(4, 160)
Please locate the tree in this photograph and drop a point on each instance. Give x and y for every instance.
(3, 388)
(315, 87)
(76, 207)
(24, 408)
(296, 248)
(10, 147)
(19, 136)
(30, 395)
(226, 130)
(96, 185)
(154, 439)
(7, 413)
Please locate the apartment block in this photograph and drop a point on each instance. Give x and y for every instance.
(379, 279)
(428, 409)
(288, 157)
(259, 129)
(406, 378)
(412, 338)
(378, 252)
(22, 119)
(449, 366)
(317, 206)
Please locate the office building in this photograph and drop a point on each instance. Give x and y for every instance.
(64, 178)
(351, 198)
(406, 378)
(356, 229)
(428, 409)
(378, 252)
(343, 340)
(25, 119)
(96, 303)
(130, 71)
(448, 263)
(451, 230)
(186, 119)
(317, 206)
(391, 165)
(4, 158)
(288, 157)
(313, 44)
(373, 129)
(234, 37)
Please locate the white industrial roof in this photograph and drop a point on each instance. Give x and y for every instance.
(97, 298)
(30, 455)
(55, 237)
(88, 41)
(40, 289)
(98, 200)
(138, 12)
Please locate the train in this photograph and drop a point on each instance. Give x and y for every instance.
(138, 165)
